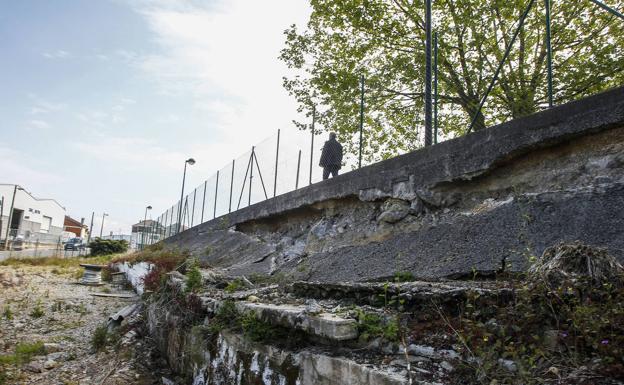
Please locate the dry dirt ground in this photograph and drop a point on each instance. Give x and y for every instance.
(44, 304)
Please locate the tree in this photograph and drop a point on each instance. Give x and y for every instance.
(384, 41)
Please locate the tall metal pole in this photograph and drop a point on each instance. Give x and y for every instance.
(214, 211)
(102, 227)
(6, 238)
(231, 187)
(312, 143)
(181, 199)
(435, 87)
(298, 166)
(276, 161)
(204, 201)
(1, 212)
(549, 55)
(91, 227)
(193, 210)
(428, 113)
(253, 150)
(361, 117)
(143, 227)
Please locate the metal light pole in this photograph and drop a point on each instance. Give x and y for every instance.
(6, 239)
(190, 161)
(102, 227)
(91, 227)
(428, 112)
(549, 54)
(143, 228)
(361, 118)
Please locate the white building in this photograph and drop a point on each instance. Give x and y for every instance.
(29, 218)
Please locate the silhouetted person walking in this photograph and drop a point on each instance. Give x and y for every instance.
(331, 157)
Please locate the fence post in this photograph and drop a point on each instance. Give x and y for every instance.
(428, 120)
(276, 160)
(214, 212)
(549, 54)
(435, 87)
(231, 187)
(253, 151)
(312, 143)
(204, 201)
(361, 117)
(298, 165)
(193, 212)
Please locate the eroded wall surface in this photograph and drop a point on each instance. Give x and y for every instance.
(486, 202)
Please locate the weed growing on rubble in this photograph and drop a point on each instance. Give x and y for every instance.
(194, 279)
(99, 338)
(373, 325)
(37, 311)
(23, 353)
(235, 285)
(7, 313)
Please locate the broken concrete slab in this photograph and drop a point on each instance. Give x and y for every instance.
(324, 325)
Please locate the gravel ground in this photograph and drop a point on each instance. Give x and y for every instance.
(44, 304)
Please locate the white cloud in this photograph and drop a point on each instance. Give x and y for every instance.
(58, 54)
(38, 124)
(224, 56)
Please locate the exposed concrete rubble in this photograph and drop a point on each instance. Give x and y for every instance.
(406, 271)
(43, 307)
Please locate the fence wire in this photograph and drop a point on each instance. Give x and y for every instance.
(292, 159)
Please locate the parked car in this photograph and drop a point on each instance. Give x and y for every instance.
(75, 244)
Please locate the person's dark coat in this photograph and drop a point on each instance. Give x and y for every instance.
(331, 156)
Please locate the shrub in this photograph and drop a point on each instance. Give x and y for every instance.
(7, 313)
(23, 353)
(99, 337)
(37, 312)
(236, 285)
(108, 246)
(373, 325)
(193, 280)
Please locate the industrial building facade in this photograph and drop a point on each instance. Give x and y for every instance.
(28, 218)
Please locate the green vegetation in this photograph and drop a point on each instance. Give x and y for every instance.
(194, 279)
(384, 41)
(23, 353)
(235, 285)
(226, 317)
(99, 339)
(546, 327)
(403, 276)
(372, 325)
(65, 263)
(7, 313)
(101, 246)
(37, 311)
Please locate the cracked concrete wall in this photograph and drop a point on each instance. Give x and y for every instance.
(484, 202)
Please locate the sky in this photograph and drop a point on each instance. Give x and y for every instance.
(103, 100)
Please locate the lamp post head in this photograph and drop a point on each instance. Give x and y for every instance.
(190, 161)
(105, 215)
(149, 207)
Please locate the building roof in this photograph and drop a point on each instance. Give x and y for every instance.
(32, 196)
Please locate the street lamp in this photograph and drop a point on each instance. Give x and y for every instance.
(102, 227)
(6, 239)
(143, 228)
(190, 161)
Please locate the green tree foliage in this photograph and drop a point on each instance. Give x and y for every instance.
(384, 41)
(107, 246)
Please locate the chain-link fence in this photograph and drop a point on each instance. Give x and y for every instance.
(293, 159)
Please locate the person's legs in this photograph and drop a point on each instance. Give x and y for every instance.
(325, 173)
(334, 171)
